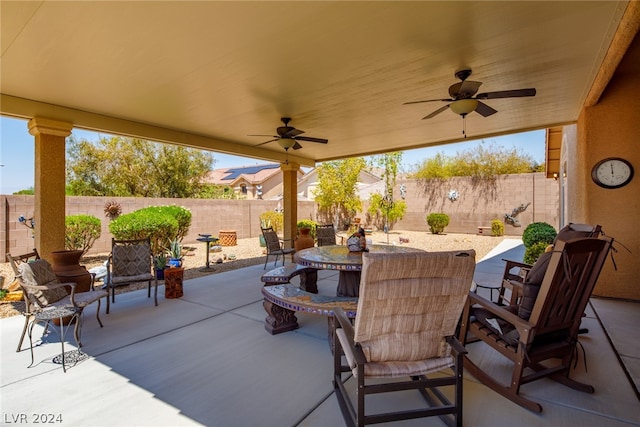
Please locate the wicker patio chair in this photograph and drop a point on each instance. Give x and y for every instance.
(408, 309)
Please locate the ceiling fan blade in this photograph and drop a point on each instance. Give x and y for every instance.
(465, 89)
(269, 136)
(296, 146)
(310, 139)
(428, 100)
(516, 93)
(435, 113)
(266, 142)
(293, 132)
(484, 110)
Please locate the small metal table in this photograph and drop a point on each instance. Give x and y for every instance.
(207, 239)
(46, 316)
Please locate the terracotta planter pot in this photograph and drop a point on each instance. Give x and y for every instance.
(304, 239)
(66, 265)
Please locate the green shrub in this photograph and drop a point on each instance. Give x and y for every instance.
(81, 232)
(181, 215)
(310, 224)
(538, 232)
(532, 253)
(160, 228)
(437, 222)
(497, 227)
(272, 219)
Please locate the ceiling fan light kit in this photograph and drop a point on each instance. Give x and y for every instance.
(463, 107)
(286, 143)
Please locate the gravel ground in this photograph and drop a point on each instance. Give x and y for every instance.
(248, 252)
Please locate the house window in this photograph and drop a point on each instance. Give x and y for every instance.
(243, 189)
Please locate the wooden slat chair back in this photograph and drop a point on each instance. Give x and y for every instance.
(550, 334)
(408, 308)
(515, 272)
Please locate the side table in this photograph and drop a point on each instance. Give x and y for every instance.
(207, 239)
(47, 316)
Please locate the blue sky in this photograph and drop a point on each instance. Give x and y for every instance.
(17, 156)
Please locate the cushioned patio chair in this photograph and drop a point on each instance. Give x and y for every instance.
(15, 261)
(131, 261)
(325, 235)
(44, 293)
(540, 334)
(275, 246)
(49, 277)
(408, 309)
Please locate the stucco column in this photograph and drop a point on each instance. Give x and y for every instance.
(290, 199)
(49, 185)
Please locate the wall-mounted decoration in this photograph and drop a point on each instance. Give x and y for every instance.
(453, 195)
(511, 219)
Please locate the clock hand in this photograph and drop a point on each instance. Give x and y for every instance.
(611, 168)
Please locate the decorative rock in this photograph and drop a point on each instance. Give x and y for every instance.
(219, 261)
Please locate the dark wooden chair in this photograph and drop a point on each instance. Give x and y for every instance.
(404, 334)
(325, 235)
(540, 334)
(275, 246)
(130, 261)
(515, 272)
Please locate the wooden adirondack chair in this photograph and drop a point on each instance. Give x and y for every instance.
(550, 334)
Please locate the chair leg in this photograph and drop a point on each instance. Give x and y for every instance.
(98, 312)
(24, 331)
(155, 293)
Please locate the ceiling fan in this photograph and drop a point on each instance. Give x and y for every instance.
(288, 136)
(463, 101)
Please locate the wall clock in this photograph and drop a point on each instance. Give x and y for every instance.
(612, 172)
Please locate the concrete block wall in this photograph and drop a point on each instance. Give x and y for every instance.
(478, 203)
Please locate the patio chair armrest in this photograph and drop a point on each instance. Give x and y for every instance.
(342, 319)
(47, 287)
(456, 346)
(513, 263)
(524, 328)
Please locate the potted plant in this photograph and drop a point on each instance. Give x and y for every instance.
(306, 234)
(264, 223)
(175, 254)
(160, 265)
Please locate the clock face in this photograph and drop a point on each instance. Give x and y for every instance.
(612, 173)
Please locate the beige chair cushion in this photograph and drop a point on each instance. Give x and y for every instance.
(131, 261)
(40, 273)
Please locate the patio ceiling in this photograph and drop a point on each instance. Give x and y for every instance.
(207, 74)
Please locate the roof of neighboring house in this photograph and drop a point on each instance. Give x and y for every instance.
(254, 174)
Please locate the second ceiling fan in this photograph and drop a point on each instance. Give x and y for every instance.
(463, 101)
(288, 136)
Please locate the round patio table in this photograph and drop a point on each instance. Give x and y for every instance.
(349, 264)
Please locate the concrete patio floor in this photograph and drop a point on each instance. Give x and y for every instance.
(206, 359)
